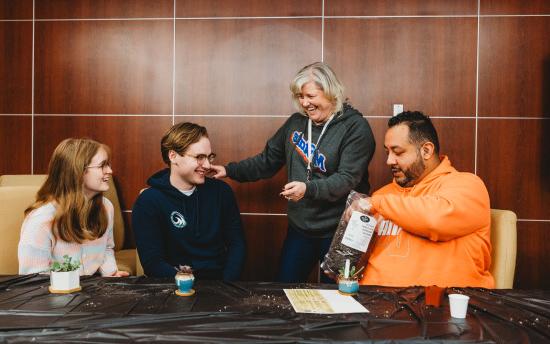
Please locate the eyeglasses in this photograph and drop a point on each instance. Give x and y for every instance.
(103, 166)
(201, 158)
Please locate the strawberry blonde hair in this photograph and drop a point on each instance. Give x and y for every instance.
(76, 218)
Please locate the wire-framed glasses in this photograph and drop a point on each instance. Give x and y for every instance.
(201, 158)
(104, 166)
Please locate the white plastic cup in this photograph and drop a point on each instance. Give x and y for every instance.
(459, 305)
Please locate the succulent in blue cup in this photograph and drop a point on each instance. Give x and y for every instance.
(184, 282)
(349, 285)
(348, 280)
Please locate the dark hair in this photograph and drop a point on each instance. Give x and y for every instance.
(180, 137)
(421, 128)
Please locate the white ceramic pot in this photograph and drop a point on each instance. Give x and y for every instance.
(64, 280)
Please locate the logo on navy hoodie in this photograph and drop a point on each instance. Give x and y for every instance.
(177, 220)
(301, 144)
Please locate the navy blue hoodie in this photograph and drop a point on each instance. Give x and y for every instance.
(202, 230)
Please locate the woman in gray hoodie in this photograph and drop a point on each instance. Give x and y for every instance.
(326, 147)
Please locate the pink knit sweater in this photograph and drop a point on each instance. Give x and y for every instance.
(38, 248)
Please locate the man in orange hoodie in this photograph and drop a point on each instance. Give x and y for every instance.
(434, 222)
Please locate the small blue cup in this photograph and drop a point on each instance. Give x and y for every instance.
(184, 282)
(348, 286)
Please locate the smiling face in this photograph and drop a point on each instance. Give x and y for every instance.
(404, 157)
(185, 169)
(97, 174)
(315, 104)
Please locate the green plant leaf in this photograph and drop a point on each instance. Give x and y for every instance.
(66, 265)
(55, 266)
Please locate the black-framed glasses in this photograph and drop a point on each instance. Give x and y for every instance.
(103, 166)
(201, 158)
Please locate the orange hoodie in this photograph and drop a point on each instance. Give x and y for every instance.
(436, 232)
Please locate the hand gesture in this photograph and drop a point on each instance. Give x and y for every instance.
(294, 191)
(120, 273)
(362, 205)
(217, 171)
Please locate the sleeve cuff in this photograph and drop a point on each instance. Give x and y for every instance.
(311, 190)
(229, 170)
(375, 201)
(109, 267)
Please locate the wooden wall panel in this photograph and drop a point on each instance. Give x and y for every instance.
(399, 7)
(379, 172)
(15, 67)
(246, 138)
(514, 7)
(73, 9)
(264, 237)
(532, 268)
(103, 67)
(424, 63)
(15, 144)
(514, 162)
(245, 8)
(134, 142)
(514, 63)
(456, 140)
(235, 67)
(15, 9)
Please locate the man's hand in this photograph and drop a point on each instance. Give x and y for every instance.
(217, 172)
(362, 205)
(294, 191)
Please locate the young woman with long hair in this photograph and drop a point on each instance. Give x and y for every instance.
(70, 215)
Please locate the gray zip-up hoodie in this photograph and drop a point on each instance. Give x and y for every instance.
(339, 165)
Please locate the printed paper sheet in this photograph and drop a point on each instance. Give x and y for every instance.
(322, 301)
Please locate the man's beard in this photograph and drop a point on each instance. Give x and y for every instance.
(412, 174)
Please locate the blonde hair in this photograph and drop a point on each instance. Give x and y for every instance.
(324, 78)
(179, 137)
(76, 218)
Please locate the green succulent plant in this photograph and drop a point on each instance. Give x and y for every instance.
(351, 271)
(67, 265)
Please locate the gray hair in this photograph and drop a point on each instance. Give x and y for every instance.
(325, 78)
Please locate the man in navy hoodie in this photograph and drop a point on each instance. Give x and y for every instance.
(185, 218)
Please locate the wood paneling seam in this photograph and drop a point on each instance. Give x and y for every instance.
(477, 87)
(102, 19)
(174, 67)
(323, 31)
(32, 88)
(235, 116)
(404, 16)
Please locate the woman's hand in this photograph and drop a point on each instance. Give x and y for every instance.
(294, 191)
(217, 171)
(120, 273)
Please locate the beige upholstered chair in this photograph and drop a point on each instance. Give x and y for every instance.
(126, 259)
(13, 202)
(139, 268)
(504, 243)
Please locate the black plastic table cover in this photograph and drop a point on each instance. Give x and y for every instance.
(136, 309)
